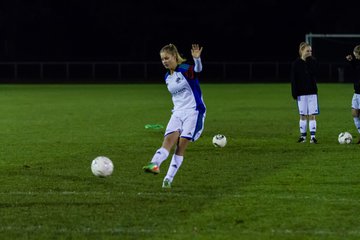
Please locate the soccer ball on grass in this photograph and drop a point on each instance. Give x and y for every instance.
(345, 138)
(102, 166)
(219, 140)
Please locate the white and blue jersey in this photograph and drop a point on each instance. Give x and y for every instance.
(189, 109)
(184, 87)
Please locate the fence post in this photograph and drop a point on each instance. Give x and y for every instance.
(119, 71)
(145, 72)
(250, 71)
(42, 71)
(15, 71)
(93, 71)
(224, 72)
(341, 74)
(67, 71)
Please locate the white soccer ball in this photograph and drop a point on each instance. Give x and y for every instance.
(219, 140)
(345, 138)
(102, 166)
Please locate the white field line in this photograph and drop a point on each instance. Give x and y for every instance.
(274, 232)
(190, 195)
(315, 232)
(86, 230)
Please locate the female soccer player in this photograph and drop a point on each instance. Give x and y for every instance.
(187, 120)
(304, 90)
(355, 104)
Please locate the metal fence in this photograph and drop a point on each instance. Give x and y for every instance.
(149, 72)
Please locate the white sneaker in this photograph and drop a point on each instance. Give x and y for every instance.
(166, 183)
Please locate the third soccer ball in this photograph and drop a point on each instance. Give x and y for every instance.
(345, 138)
(219, 140)
(102, 166)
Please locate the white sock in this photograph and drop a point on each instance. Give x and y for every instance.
(303, 127)
(312, 125)
(357, 123)
(160, 156)
(175, 164)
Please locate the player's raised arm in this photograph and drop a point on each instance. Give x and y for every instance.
(196, 52)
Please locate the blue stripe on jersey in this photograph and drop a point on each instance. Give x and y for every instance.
(194, 84)
(188, 72)
(199, 124)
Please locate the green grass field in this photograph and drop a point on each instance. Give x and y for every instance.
(262, 185)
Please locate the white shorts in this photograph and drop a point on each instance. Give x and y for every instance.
(308, 104)
(355, 103)
(189, 123)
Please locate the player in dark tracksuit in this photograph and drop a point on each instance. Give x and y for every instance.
(304, 90)
(354, 60)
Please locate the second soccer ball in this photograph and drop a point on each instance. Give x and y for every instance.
(345, 138)
(219, 140)
(102, 166)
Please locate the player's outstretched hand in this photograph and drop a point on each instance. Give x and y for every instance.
(196, 50)
(349, 57)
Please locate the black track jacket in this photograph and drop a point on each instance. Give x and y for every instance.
(303, 77)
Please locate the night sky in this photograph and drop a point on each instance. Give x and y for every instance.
(136, 30)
